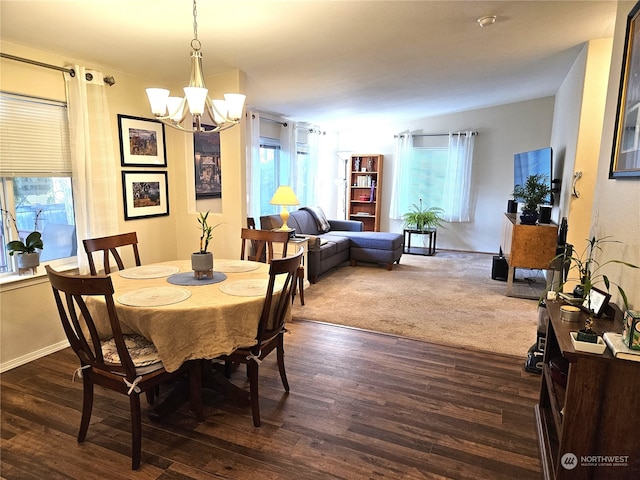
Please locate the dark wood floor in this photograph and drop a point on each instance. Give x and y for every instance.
(362, 406)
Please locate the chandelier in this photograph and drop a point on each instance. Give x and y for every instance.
(172, 111)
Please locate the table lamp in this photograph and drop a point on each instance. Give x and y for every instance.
(284, 196)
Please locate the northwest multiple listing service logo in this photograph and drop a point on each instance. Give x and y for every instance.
(569, 461)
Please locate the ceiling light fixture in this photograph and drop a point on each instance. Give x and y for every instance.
(487, 21)
(172, 111)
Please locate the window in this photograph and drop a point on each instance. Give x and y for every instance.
(35, 177)
(426, 179)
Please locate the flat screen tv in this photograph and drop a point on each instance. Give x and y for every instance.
(534, 162)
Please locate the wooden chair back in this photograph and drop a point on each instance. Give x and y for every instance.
(109, 245)
(115, 373)
(282, 272)
(69, 292)
(257, 245)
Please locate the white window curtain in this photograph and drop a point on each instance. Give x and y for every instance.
(92, 157)
(457, 189)
(404, 154)
(253, 172)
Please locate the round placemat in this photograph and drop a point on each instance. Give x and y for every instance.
(154, 296)
(235, 266)
(255, 287)
(188, 279)
(149, 271)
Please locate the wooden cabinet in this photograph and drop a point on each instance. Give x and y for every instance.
(365, 180)
(588, 429)
(527, 246)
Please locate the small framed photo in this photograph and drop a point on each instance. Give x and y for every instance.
(596, 301)
(145, 194)
(141, 142)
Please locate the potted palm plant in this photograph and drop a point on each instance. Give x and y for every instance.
(535, 191)
(27, 250)
(202, 260)
(423, 218)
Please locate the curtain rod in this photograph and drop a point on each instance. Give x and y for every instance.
(108, 80)
(473, 134)
(267, 119)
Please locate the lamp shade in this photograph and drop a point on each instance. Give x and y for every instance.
(284, 196)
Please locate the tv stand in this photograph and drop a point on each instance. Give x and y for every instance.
(527, 246)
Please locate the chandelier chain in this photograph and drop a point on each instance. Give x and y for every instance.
(195, 43)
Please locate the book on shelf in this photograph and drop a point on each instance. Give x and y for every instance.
(618, 348)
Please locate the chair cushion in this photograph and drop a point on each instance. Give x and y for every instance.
(143, 353)
(319, 217)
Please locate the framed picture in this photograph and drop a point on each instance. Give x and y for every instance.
(145, 194)
(207, 167)
(141, 142)
(596, 301)
(625, 157)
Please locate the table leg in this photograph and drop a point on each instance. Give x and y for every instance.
(510, 276)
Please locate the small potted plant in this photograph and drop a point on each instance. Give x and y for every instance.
(423, 218)
(589, 271)
(202, 260)
(535, 191)
(28, 255)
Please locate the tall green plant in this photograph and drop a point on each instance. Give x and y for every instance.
(535, 191)
(206, 229)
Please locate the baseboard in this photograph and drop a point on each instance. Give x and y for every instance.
(43, 352)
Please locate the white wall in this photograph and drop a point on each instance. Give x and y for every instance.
(616, 211)
(502, 131)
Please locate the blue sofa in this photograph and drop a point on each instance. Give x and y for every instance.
(333, 242)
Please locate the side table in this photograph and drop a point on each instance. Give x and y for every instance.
(430, 250)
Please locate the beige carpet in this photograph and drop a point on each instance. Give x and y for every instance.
(448, 298)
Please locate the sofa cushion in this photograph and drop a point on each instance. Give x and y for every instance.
(321, 219)
(375, 240)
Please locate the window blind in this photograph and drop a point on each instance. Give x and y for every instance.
(34, 137)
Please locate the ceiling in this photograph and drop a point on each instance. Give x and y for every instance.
(334, 63)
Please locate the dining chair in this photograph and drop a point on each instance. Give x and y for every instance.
(128, 364)
(257, 245)
(271, 327)
(110, 244)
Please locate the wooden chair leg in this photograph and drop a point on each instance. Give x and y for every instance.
(280, 357)
(136, 431)
(301, 283)
(87, 407)
(252, 370)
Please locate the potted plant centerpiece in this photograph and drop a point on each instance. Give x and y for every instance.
(535, 191)
(589, 271)
(202, 260)
(27, 250)
(423, 218)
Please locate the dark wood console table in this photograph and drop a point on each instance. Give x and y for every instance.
(588, 429)
(430, 250)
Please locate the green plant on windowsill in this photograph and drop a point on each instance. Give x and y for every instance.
(423, 218)
(30, 244)
(589, 271)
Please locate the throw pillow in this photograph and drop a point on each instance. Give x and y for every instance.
(320, 217)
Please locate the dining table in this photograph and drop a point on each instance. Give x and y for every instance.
(188, 318)
(184, 317)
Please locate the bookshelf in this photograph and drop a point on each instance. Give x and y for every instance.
(365, 179)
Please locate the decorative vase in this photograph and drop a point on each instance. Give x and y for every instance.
(28, 260)
(202, 262)
(529, 217)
